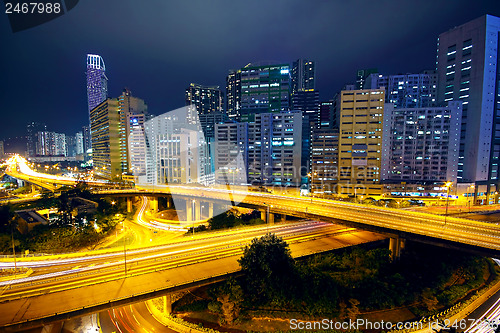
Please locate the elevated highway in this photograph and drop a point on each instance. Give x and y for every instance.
(475, 236)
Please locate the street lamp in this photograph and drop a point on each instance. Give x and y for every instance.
(193, 212)
(124, 249)
(448, 185)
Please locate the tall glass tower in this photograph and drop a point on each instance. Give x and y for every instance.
(97, 82)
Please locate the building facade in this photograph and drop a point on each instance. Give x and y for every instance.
(233, 94)
(206, 99)
(468, 71)
(303, 76)
(231, 147)
(361, 114)
(176, 151)
(50, 144)
(33, 129)
(420, 145)
(264, 89)
(105, 129)
(408, 90)
(323, 177)
(97, 82)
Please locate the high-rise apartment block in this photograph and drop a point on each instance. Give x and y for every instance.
(79, 143)
(420, 145)
(469, 71)
(270, 150)
(33, 129)
(231, 153)
(360, 141)
(105, 129)
(50, 144)
(323, 177)
(133, 113)
(406, 90)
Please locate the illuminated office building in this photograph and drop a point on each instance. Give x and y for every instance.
(360, 118)
(469, 71)
(406, 90)
(176, 151)
(264, 89)
(105, 129)
(420, 145)
(233, 94)
(32, 129)
(207, 99)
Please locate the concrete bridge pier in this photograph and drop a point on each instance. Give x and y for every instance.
(129, 204)
(210, 210)
(197, 210)
(268, 219)
(153, 204)
(189, 210)
(167, 304)
(396, 244)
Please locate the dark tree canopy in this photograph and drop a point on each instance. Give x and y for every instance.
(268, 266)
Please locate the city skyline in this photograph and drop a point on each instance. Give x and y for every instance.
(150, 73)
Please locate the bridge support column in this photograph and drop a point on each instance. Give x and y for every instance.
(197, 210)
(129, 205)
(210, 210)
(153, 204)
(189, 210)
(268, 219)
(169, 203)
(396, 244)
(167, 304)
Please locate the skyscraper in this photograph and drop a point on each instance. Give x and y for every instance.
(360, 139)
(97, 82)
(207, 99)
(469, 71)
(133, 114)
(264, 89)
(105, 129)
(406, 90)
(33, 128)
(233, 94)
(303, 76)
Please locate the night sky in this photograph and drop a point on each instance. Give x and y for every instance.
(157, 47)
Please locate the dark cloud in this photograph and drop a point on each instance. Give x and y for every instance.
(157, 47)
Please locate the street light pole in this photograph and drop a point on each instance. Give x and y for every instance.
(448, 185)
(125, 250)
(193, 212)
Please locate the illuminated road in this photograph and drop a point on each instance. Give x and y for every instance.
(477, 234)
(149, 269)
(131, 318)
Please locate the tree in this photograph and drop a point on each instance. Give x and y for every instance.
(6, 217)
(268, 267)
